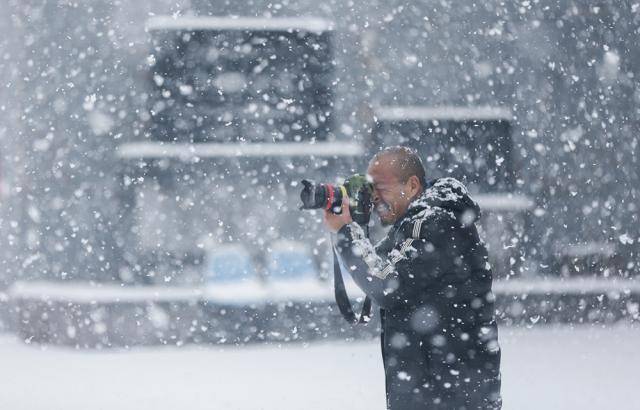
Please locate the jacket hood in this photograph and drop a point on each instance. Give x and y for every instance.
(449, 194)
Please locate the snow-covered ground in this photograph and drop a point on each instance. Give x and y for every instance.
(543, 368)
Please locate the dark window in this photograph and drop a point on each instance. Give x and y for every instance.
(235, 85)
(478, 153)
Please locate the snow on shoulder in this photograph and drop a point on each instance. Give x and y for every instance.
(197, 23)
(447, 189)
(444, 190)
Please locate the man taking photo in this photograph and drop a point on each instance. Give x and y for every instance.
(431, 278)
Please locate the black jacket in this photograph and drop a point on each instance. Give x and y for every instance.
(432, 280)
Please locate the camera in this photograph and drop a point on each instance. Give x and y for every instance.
(329, 197)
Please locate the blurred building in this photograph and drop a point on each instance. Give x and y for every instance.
(78, 90)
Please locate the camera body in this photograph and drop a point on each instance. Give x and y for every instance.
(329, 197)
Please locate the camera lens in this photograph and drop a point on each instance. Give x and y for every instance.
(320, 196)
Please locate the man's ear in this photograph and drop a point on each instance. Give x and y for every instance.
(414, 185)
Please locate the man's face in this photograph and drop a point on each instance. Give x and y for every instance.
(391, 197)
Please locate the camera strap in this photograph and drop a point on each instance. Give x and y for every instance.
(342, 299)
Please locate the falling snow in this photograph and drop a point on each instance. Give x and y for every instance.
(150, 160)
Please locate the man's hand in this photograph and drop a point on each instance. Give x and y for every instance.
(334, 222)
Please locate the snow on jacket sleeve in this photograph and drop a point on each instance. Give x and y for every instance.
(399, 276)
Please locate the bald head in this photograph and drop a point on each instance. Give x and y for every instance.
(398, 177)
(404, 162)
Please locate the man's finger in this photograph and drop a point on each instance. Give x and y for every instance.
(345, 205)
